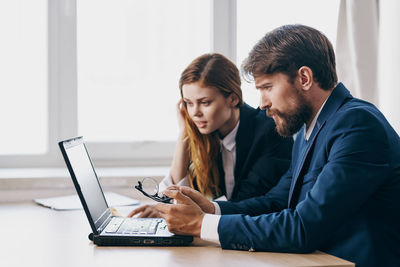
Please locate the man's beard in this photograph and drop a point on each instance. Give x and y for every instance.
(290, 122)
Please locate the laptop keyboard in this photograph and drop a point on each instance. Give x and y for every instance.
(120, 225)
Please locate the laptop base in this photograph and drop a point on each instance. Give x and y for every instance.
(177, 240)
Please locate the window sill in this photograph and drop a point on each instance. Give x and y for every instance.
(29, 183)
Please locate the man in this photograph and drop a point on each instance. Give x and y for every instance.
(341, 194)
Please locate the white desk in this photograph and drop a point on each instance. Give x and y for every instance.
(35, 236)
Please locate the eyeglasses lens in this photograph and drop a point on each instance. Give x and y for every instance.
(150, 186)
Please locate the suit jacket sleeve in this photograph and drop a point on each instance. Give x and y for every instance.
(356, 152)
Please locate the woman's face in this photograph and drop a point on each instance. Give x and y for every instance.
(209, 109)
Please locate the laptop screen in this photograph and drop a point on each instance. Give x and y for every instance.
(85, 176)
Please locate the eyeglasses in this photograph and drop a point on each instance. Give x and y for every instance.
(149, 187)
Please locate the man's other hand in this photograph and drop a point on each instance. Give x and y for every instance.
(184, 217)
(197, 197)
(145, 211)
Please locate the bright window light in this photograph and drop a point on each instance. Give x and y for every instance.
(23, 83)
(130, 57)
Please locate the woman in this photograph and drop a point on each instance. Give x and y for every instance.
(225, 147)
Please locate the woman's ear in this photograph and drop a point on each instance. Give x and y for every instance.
(305, 77)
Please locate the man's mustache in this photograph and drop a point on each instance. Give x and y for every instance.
(272, 112)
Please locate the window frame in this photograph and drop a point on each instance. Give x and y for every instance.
(62, 92)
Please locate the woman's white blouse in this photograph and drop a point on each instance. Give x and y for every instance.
(228, 152)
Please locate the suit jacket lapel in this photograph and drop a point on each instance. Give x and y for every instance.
(221, 175)
(334, 102)
(304, 149)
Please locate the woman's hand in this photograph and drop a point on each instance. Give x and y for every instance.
(145, 211)
(180, 162)
(180, 113)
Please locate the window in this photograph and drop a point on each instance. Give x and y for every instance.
(109, 69)
(130, 57)
(23, 83)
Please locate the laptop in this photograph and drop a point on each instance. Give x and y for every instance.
(109, 230)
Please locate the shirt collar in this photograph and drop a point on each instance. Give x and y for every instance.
(229, 141)
(310, 129)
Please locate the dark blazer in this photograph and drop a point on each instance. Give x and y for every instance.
(341, 194)
(262, 156)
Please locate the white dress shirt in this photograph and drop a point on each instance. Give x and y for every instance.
(310, 129)
(228, 152)
(209, 225)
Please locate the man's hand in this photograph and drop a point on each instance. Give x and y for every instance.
(197, 197)
(145, 211)
(183, 218)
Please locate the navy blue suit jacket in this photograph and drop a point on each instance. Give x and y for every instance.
(341, 194)
(262, 156)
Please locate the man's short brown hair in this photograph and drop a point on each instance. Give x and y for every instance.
(288, 48)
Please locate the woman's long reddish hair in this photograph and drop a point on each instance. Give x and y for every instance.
(218, 72)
